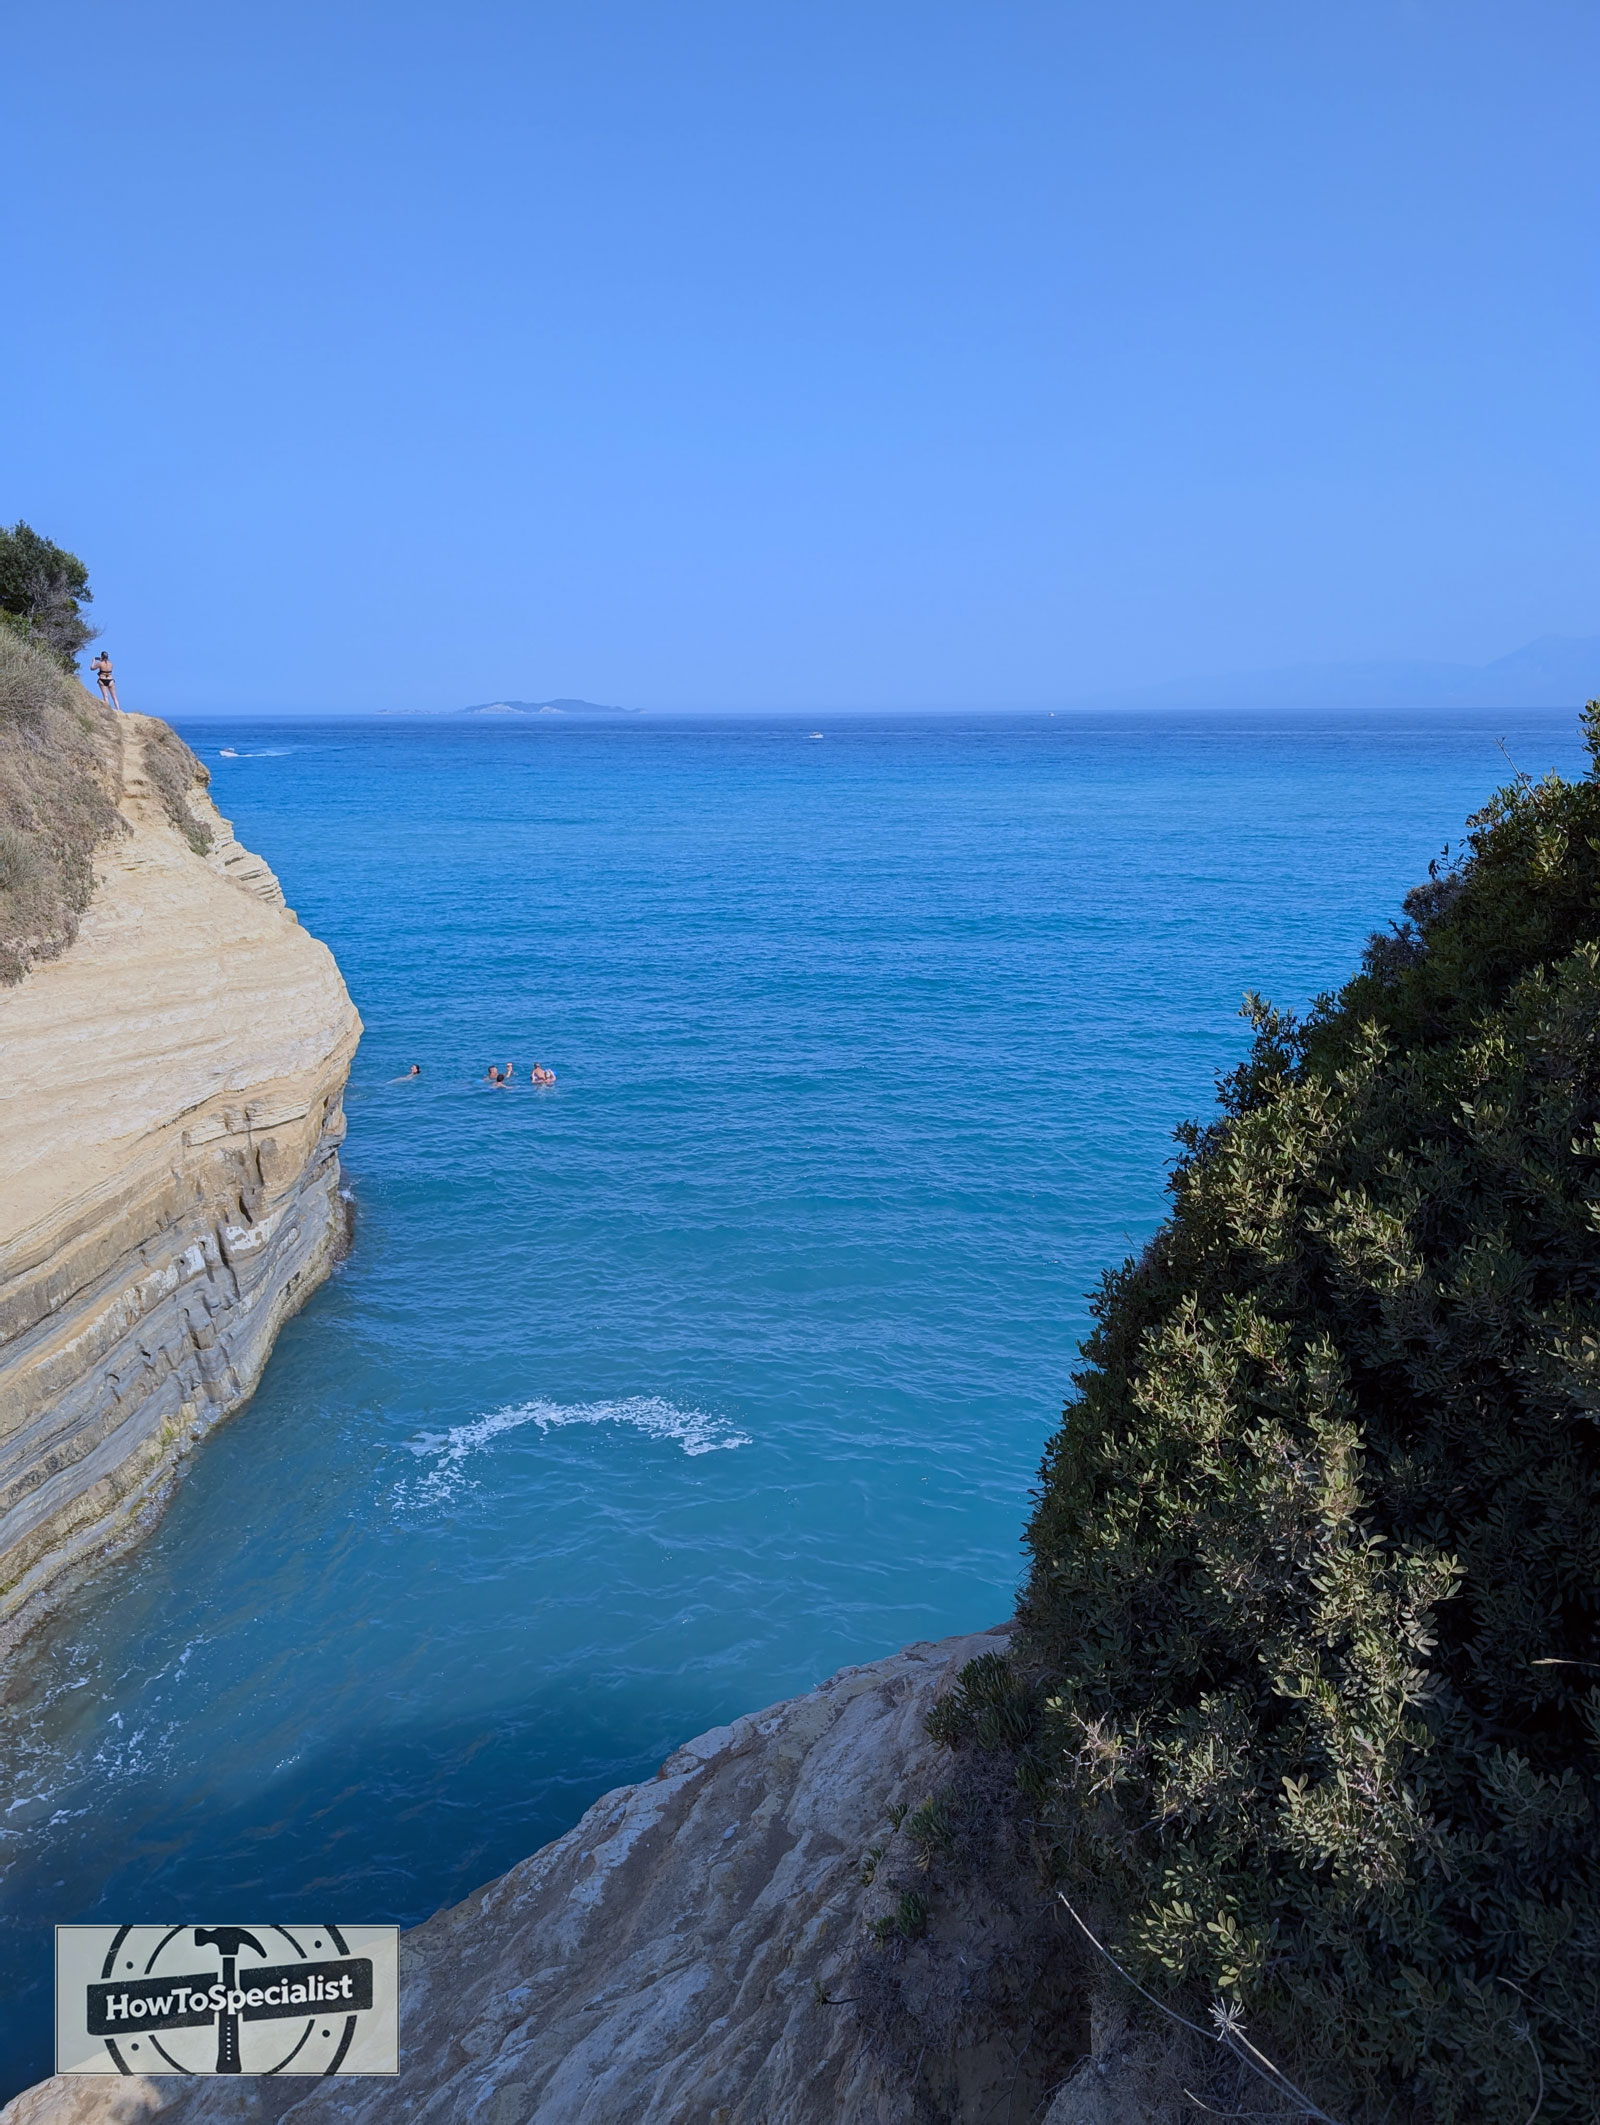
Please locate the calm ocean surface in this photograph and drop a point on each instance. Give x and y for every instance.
(649, 1400)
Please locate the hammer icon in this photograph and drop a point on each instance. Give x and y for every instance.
(227, 1940)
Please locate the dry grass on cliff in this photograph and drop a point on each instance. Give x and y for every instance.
(172, 772)
(58, 781)
(967, 1982)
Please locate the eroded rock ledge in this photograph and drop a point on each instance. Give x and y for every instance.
(717, 1946)
(707, 1948)
(170, 1111)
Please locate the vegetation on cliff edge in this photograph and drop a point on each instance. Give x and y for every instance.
(1313, 1618)
(43, 590)
(58, 781)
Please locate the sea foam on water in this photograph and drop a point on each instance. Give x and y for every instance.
(695, 1431)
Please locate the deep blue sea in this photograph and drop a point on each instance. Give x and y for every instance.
(652, 1398)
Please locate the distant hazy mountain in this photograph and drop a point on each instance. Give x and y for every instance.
(545, 708)
(1557, 671)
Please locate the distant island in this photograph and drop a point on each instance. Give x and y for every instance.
(545, 708)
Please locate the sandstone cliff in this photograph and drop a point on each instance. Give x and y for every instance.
(170, 1092)
(720, 1946)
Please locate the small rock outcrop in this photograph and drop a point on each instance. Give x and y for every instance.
(170, 1111)
(720, 1945)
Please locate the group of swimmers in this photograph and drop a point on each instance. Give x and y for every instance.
(538, 1075)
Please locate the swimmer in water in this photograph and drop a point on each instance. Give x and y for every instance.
(406, 1076)
(493, 1076)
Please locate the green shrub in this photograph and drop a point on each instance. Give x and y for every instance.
(930, 1829)
(989, 1705)
(43, 589)
(908, 1921)
(1314, 1605)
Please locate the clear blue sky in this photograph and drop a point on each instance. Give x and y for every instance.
(801, 352)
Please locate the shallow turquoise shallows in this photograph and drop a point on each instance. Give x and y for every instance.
(652, 1398)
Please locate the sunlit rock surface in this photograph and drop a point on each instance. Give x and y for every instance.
(170, 1111)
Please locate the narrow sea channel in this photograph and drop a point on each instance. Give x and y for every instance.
(650, 1399)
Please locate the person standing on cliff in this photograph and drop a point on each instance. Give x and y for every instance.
(101, 667)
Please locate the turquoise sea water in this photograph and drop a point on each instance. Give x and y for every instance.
(654, 1398)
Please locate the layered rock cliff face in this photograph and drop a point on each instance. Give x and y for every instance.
(170, 1111)
(722, 1945)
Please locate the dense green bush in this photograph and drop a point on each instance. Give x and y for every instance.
(1314, 1606)
(43, 589)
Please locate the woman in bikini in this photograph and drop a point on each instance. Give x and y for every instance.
(101, 667)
